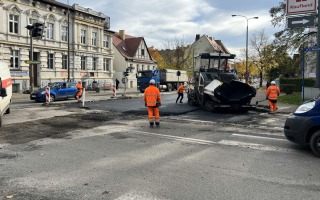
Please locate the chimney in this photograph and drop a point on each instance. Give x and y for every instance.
(210, 38)
(197, 37)
(122, 35)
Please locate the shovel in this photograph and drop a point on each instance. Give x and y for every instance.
(261, 101)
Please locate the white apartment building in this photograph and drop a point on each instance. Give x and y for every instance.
(85, 55)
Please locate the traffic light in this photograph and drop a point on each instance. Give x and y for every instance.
(178, 73)
(126, 73)
(37, 30)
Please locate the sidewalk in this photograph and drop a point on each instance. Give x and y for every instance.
(282, 107)
(92, 95)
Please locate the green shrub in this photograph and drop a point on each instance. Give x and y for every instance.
(287, 88)
(297, 83)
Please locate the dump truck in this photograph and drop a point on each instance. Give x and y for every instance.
(215, 86)
(166, 79)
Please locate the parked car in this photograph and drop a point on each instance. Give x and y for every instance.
(303, 126)
(58, 91)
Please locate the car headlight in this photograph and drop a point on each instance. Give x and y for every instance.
(43, 92)
(305, 107)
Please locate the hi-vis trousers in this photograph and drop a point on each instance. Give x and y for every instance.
(153, 114)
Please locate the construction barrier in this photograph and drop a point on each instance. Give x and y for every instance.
(47, 95)
(83, 96)
(114, 91)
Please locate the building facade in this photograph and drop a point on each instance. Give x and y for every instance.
(76, 43)
(131, 52)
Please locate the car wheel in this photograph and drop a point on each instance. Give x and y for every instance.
(52, 98)
(315, 143)
(8, 111)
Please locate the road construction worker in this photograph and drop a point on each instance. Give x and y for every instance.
(79, 90)
(181, 90)
(272, 94)
(152, 100)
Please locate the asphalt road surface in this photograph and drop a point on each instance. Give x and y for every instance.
(109, 152)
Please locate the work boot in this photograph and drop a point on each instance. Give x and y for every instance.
(151, 124)
(157, 124)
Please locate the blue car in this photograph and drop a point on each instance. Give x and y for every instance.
(58, 91)
(303, 127)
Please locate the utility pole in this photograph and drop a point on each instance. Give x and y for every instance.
(318, 52)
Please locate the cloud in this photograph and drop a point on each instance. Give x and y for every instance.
(160, 21)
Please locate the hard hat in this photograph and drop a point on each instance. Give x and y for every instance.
(79, 81)
(152, 81)
(185, 83)
(273, 82)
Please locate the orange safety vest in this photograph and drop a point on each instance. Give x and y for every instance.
(79, 86)
(152, 95)
(273, 92)
(181, 89)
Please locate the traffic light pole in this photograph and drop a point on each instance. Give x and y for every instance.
(31, 65)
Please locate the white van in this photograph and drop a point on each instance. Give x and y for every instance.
(5, 90)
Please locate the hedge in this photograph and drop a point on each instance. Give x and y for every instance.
(295, 84)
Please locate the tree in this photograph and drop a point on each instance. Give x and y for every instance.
(262, 53)
(291, 39)
(158, 57)
(176, 55)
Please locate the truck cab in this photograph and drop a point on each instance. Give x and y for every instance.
(144, 77)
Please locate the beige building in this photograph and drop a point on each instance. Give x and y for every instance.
(87, 52)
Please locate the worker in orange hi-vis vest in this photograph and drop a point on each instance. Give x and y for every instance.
(272, 94)
(79, 90)
(152, 100)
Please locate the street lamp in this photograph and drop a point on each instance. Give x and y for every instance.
(246, 74)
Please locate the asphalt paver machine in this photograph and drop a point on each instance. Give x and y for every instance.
(215, 86)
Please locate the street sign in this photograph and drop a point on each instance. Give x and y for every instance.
(300, 22)
(301, 6)
(312, 49)
(32, 62)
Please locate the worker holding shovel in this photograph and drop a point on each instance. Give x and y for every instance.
(272, 94)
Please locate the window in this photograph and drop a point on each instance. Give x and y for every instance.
(83, 63)
(142, 52)
(94, 39)
(14, 59)
(94, 63)
(142, 67)
(14, 24)
(50, 60)
(83, 36)
(105, 43)
(64, 33)
(50, 30)
(64, 62)
(106, 64)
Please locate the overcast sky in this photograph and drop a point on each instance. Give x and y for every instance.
(159, 21)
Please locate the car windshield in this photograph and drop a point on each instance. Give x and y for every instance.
(54, 85)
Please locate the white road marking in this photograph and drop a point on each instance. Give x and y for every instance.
(259, 137)
(178, 138)
(222, 142)
(253, 146)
